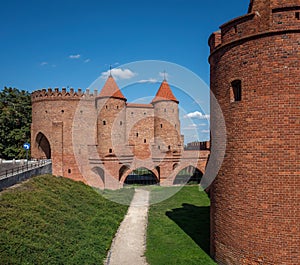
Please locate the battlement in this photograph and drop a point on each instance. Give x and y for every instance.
(273, 19)
(65, 94)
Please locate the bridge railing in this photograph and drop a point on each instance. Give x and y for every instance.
(29, 165)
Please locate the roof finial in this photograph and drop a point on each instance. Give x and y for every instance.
(110, 71)
(165, 75)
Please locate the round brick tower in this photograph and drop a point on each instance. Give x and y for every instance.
(53, 113)
(255, 76)
(111, 105)
(166, 120)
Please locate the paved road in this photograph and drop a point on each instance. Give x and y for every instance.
(129, 245)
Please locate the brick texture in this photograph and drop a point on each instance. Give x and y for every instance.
(256, 196)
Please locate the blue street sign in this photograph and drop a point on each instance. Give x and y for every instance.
(26, 146)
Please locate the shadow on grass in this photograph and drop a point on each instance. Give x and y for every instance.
(195, 222)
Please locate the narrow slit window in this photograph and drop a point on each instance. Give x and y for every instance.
(121, 123)
(110, 150)
(137, 134)
(161, 125)
(236, 86)
(69, 171)
(104, 122)
(235, 29)
(145, 141)
(169, 147)
(297, 15)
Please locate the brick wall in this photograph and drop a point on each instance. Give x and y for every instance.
(255, 197)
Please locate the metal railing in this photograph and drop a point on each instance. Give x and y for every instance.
(29, 165)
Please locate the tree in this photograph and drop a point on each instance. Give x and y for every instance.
(15, 120)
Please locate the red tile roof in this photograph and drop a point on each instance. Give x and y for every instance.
(164, 93)
(111, 90)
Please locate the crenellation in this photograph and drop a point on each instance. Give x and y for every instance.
(63, 94)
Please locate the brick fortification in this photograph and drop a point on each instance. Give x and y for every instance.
(255, 76)
(100, 138)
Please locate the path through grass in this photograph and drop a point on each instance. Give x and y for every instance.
(178, 228)
(50, 220)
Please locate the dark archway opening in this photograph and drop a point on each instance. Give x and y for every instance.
(141, 176)
(43, 145)
(190, 175)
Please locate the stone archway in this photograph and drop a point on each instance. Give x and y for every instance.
(43, 146)
(140, 176)
(187, 175)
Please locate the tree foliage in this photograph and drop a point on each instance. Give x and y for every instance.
(15, 120)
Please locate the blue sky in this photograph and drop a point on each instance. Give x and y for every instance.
(71, 43)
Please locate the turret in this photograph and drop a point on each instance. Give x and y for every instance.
(110, 105)
(166, 120)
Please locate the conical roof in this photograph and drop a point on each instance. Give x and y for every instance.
(164, 93)
(111, 90)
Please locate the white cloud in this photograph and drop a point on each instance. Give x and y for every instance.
(87, 60)
(150, 80)
(197, 115)
(190, 127)
(118, 73)
(74, 56)
(44, 63)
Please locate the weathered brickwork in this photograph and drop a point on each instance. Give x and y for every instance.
(255, 198)
(100, 138)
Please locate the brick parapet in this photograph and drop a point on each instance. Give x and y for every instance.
(257, 23)
(59, 94)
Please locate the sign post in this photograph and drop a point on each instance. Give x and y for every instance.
(26, 146)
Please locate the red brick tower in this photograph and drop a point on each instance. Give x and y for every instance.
(166, 121)
(111, 105)
(255, 76)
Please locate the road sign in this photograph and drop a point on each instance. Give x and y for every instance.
(26, 146)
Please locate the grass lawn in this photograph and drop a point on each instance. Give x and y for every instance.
(178, 228)
(50, 220)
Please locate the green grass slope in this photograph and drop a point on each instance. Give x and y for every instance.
(51, 220)
(178, 228)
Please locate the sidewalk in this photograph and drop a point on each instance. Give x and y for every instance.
(129, 245)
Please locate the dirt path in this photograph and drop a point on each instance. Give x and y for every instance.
(129, 245)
